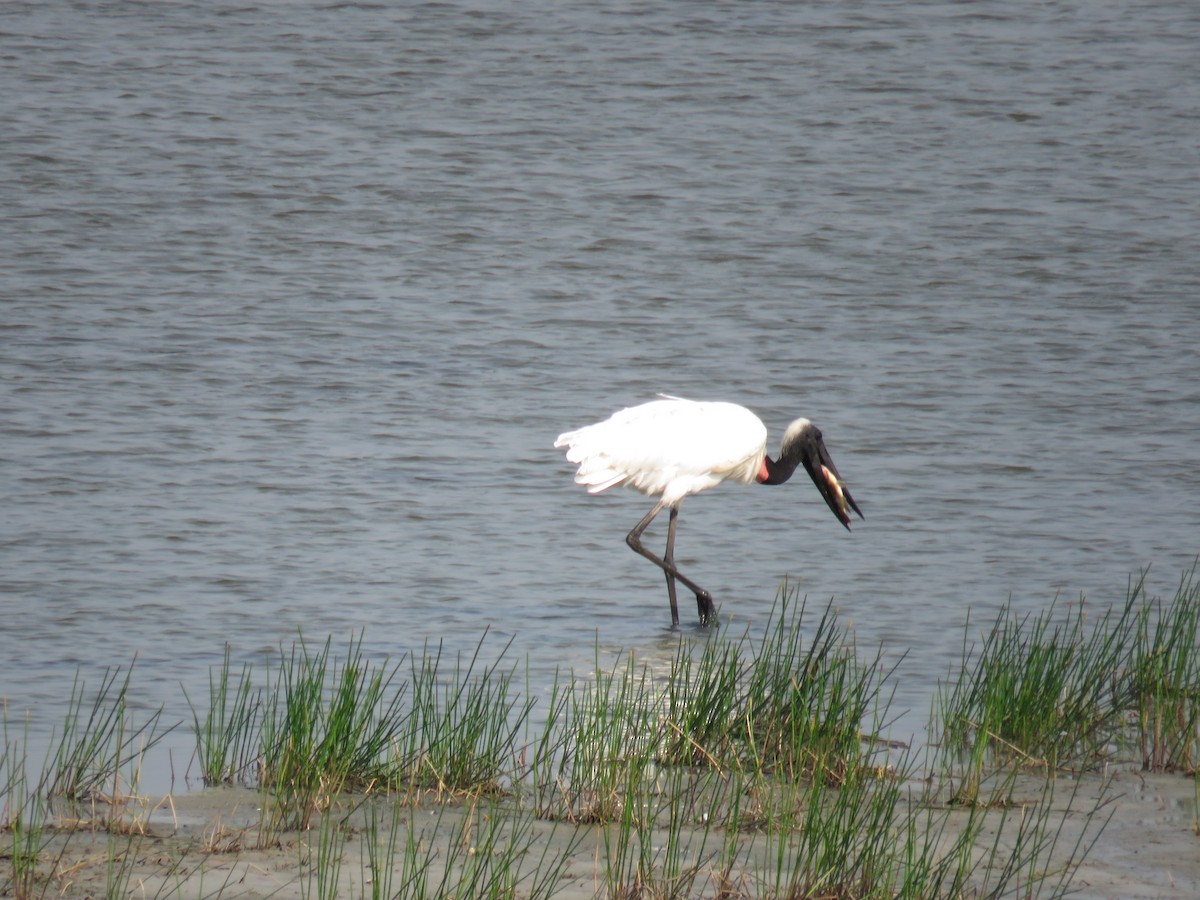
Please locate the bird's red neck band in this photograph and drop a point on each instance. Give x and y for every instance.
(775, 471)
(763, 472)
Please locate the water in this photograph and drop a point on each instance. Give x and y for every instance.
(295, 302)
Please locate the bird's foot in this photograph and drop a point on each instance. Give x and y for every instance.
(706, 607)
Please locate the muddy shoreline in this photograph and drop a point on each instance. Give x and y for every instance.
(207, 844)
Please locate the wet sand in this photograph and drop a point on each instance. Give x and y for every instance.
(205, 844)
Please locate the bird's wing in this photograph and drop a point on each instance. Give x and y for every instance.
(670, 445)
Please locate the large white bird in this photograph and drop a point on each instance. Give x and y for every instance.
(672, 447)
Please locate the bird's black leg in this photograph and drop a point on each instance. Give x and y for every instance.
(634, 540)
(669, 559)
(704, 600)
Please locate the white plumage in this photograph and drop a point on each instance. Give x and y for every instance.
(671, 448)
(668, 448)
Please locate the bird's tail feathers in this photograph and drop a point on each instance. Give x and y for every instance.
(599, 480)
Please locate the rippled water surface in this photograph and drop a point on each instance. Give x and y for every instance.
(295, 300)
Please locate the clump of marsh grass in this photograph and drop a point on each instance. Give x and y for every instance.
(835, 841)
(380, 847)
(612, 740)
(94, 761)
(792, 725)
(704, 697)
(461, 729)
(795, 704)
(737, 767)
(675, 834)
(324, 725)
(24, 816)
(321, 870)
(878, 833)
(806, 702)
(1164, 679)
(1071, 692)
(775, 745)
(485, 855)
(98, 753)
(790, 706)
(327, 727)
(227, 735)
(485, 848)
(1039, 689)
(1029, 846)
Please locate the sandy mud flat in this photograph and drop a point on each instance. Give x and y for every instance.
(207, 844)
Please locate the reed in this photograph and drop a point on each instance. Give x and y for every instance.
(327, 727)
(544, 751)
(704, 704)
(118, 873)
(483, 851)
(772, 742)
(325, 724)
(489, 850)
(380, 847)
(321, 869)
(462, 732)
(743, 767)
(120, 877)
(612, 739)
(796, 708)
(1164, 679)
(93, 764)
(1076, 690)
(887, 836)
(662, 845)
(25, 818)
(872, 834)
(417, 855)
(99, 750)
(805, 703)
(1041, 689)
(227, 734)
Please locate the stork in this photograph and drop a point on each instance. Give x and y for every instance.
(671, 448)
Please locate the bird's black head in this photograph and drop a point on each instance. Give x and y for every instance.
(804, 445)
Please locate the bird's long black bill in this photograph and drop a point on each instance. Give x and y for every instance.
(828, 480)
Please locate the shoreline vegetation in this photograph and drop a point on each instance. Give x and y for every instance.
(749, 768)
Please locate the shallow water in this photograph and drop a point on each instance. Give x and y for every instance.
(294, 307)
